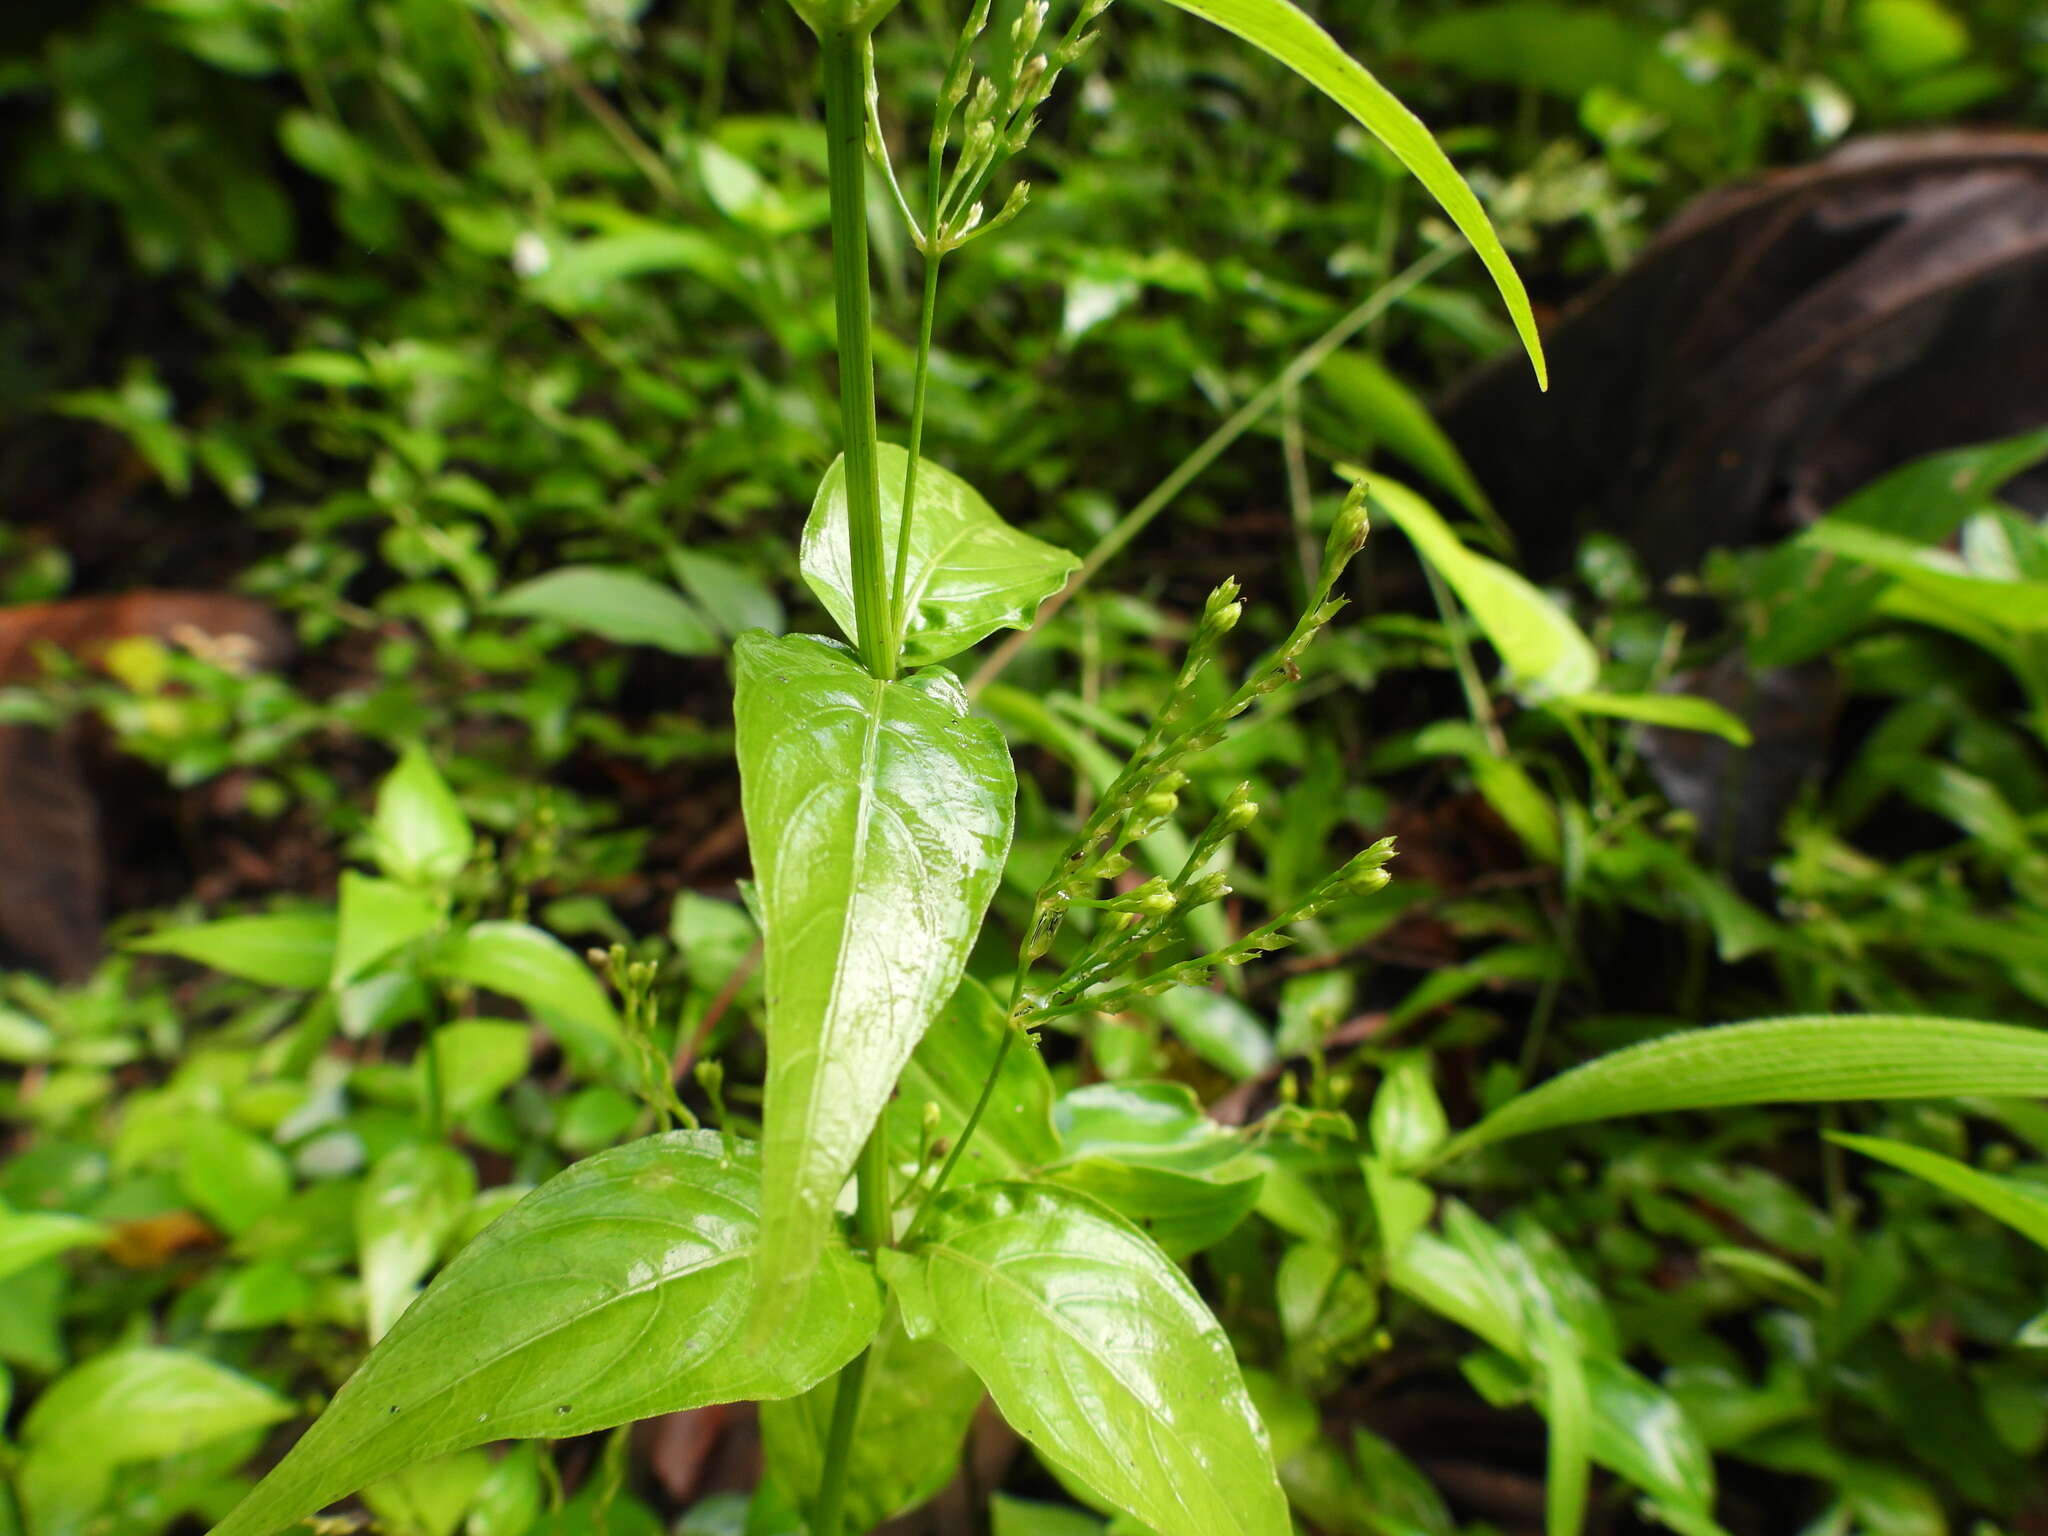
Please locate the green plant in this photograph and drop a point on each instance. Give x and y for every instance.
(996, 1243)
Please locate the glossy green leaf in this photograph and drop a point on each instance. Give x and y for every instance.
(29, 1237)
(949, 1067)
(917, 1400)
(542, 972)
(1780, 1061)
(418, 833)
(970, 573)
(279, 949)
(405, 1212)
(1678, 711)
(1544, 652)
(1098, 1351)
(1279, 28)
(1149, 1153)
(617, 604)
(2021, 1205)
(614, 1292)
(235, 1176)
(375, 918)
(879, 815)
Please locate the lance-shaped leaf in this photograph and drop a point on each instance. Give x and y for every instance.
(879, 816)
(970, 573)
(2021, 1205)
(615, 1291)
(1099, 1352)
(1781, 1061)
(1280, 28)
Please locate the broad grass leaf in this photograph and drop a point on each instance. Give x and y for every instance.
(1780, 1061)
(1098, 1351)
(2021, 1205)
(970, 573)
(879, 816)
(615, 1291)
(1282, 29)
(1675, 711)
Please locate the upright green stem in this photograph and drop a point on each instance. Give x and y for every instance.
(846, 165)
(871, 1217)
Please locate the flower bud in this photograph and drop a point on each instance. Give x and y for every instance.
(1348, 531)
(1239, 811)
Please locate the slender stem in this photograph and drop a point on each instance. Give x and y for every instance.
(826, 1516)
(846, 166)
(871, 1217)
(988, 1090)
(898, 590)
(1133, 522)
(1476, 701)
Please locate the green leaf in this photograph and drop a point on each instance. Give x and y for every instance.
(542, 972)
(377, 917)
(29, 1237)
(1098, 1351)
(1807, 601)
(2021, 1205)
(429, 1498)
(233, 1175)
(1149, 1153)
(1219, 1029)
(1568, 1415)
(279, 949)
(614, 1292)
(917, 1400)
(1679, 711)
(970, 573)
(1780, 1061)
(477, 1059)
(1027, 1517)
(2013, 604)
(407, 1209)
(1407, 1121)
(1366, 390)
(732, 597)
(1279, 28)
(419, 833)
(143, 1404)
(949, 1068)
(879, 817)
(1545, 653)
(618, 604)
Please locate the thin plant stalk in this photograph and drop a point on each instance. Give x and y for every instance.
(846, 166)
(1246, 416)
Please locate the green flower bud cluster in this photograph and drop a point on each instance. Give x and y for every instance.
(640, 1013)
(1146, 795)
(993, 121)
